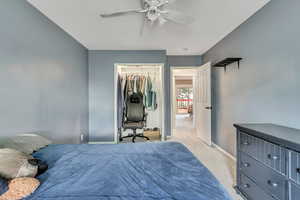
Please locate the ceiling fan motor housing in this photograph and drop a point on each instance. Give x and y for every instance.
(153, 13)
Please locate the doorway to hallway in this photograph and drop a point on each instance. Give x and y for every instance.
(183, 115)
(191, 101)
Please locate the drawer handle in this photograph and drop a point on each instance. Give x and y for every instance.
(246, 186)
(246, 164)
(273, 184)
(273, 157)
(246, 143)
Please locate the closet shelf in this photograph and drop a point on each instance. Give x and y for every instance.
(224, 63)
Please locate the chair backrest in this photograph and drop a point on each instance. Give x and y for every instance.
(135, 110)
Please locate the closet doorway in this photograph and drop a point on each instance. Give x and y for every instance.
(154, 109)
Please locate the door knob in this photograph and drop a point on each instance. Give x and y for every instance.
(208, 107)
(273, 184)
(246, 164)
(273, 157)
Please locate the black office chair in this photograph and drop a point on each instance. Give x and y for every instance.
(135, 116)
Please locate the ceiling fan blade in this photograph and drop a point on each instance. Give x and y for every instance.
(125, 12)
(169, 1)
(177, 17)
(162, 20)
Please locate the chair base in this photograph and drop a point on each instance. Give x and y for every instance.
(134, 136)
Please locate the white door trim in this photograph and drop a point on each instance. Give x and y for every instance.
(172, 85)
(161, 67)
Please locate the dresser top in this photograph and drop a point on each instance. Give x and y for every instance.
(284, 136)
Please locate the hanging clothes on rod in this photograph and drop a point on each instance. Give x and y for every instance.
(150, 97)
(136, 83)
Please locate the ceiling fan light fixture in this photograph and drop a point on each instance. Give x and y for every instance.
(153, 13)
(162, 21)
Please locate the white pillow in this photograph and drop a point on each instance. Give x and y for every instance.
(14, 164)
(26, 143)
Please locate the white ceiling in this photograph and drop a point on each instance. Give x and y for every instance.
(214, 19)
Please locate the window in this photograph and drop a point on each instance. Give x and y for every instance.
(184, 100)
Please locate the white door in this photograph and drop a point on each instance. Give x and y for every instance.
(204, 104)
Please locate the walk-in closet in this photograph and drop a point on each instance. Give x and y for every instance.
(139, 113)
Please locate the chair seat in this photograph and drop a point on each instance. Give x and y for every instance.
(133, 125)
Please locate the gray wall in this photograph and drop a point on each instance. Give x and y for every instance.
(185, 61)
(43, 76)
(266, 88)
(101, 70)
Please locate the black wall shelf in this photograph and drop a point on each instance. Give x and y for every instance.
(224, 63)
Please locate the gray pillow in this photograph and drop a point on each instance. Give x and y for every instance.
(15, 164)
(26, 143)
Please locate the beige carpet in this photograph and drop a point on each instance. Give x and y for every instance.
(219, 164)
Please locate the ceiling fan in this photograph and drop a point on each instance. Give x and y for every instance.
(155, 11)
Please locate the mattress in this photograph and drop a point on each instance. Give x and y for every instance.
(141, 171)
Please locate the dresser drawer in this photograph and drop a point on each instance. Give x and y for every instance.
(294, 163)
(294, 192)
(251, 191)
(268, 153)
(266, 178)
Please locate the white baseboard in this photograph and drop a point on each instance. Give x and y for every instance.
(223, 151)
(102, 143)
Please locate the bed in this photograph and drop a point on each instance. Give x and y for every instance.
(142, 171)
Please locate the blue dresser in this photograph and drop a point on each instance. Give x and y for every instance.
(268, 162)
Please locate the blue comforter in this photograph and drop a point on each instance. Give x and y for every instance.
(142, 171)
